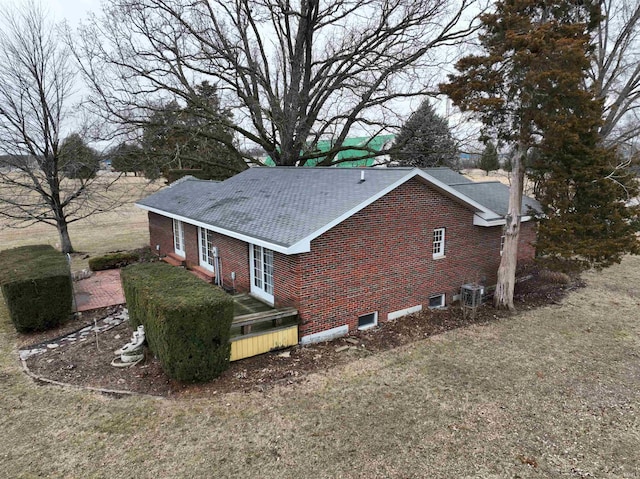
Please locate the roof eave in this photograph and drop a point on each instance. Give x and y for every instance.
(299, 247)
(489, 221)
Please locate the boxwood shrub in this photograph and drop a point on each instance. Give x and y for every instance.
(187, 321)
(113, 260)
(36, 285)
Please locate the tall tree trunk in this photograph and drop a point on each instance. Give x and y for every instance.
(65, 240)
(503, 298)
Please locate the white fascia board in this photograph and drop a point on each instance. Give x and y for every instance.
(297, 248)
(479, 220)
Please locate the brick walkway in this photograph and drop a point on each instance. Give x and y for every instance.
(102, 289)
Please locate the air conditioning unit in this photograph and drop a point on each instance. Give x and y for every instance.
(471, 295)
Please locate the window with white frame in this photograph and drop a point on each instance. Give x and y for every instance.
(438, 243)
(437, 301)
(367, 321)
(178, 237)
(502, 238)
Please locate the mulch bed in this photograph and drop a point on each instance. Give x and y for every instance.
(88, 363)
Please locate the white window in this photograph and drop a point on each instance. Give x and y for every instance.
(437, 301)
(438, 243)
(502, 244)
(207, 256)
(262, 272)
(367, 321)
(178, 238)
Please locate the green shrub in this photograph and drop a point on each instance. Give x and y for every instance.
(187, 321)
(36, 285)
(113, 260)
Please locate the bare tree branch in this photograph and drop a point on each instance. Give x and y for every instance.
(293, 71)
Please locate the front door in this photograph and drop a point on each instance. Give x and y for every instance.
(261, 273)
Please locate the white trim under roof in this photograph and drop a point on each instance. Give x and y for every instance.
(482, 217)
(498, 221)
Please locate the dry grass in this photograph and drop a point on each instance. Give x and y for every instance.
(549, 393)
(123, 228)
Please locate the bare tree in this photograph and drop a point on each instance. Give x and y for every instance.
(293, 71)
(36, 83)
(615, 70)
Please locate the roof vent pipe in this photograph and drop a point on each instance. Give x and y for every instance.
(362, 176)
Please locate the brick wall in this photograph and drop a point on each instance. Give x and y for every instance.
(381, 258)
(160, 233)
(233, 253)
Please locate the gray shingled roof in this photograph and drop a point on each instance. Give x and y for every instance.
(495, 196)
(283, 206)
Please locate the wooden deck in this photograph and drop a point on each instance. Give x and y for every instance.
(258, 328)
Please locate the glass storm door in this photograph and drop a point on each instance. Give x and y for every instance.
(207, 256)
(178, 238)
(262, 273)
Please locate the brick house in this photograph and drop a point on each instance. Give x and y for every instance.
(346, 247)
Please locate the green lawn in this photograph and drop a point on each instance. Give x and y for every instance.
(553, 392)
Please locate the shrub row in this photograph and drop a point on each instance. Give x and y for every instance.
(187, 321)
(36, 285)
(113, 260)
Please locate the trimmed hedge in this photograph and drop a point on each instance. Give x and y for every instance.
(112, 260)
(187, 321)
(36, 285)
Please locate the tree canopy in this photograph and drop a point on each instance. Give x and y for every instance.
(425, 140)
(528, 79)
(44, 180)
(293, 72)
(489, 159)
(77, 159)
(191, 137)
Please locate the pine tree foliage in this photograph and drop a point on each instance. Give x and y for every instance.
(528, 88)
(489, 158)
(425, 140)
(191, 137)
(77, 159)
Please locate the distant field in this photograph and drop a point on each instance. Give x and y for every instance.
(122, 228)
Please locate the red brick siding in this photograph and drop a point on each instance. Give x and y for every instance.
(160, 233)
(286, 279)
(234, 253)
(190, 244)
(526, 242)
(381, 259)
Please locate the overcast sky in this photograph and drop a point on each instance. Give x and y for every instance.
(71, 10)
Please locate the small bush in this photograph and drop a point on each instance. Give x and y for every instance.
(36, 285)
(113, 260)
(187, 321)
(555, 277)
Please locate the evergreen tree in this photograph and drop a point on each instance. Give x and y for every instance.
(127, 158)
(425, 140)
(533, 65)
(489, 159)
(587, 220)
(176, 137)
(77, 160)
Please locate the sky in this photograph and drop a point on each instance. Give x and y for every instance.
(71, 10)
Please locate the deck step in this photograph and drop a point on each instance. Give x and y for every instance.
(203, 274)
(173, 260)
